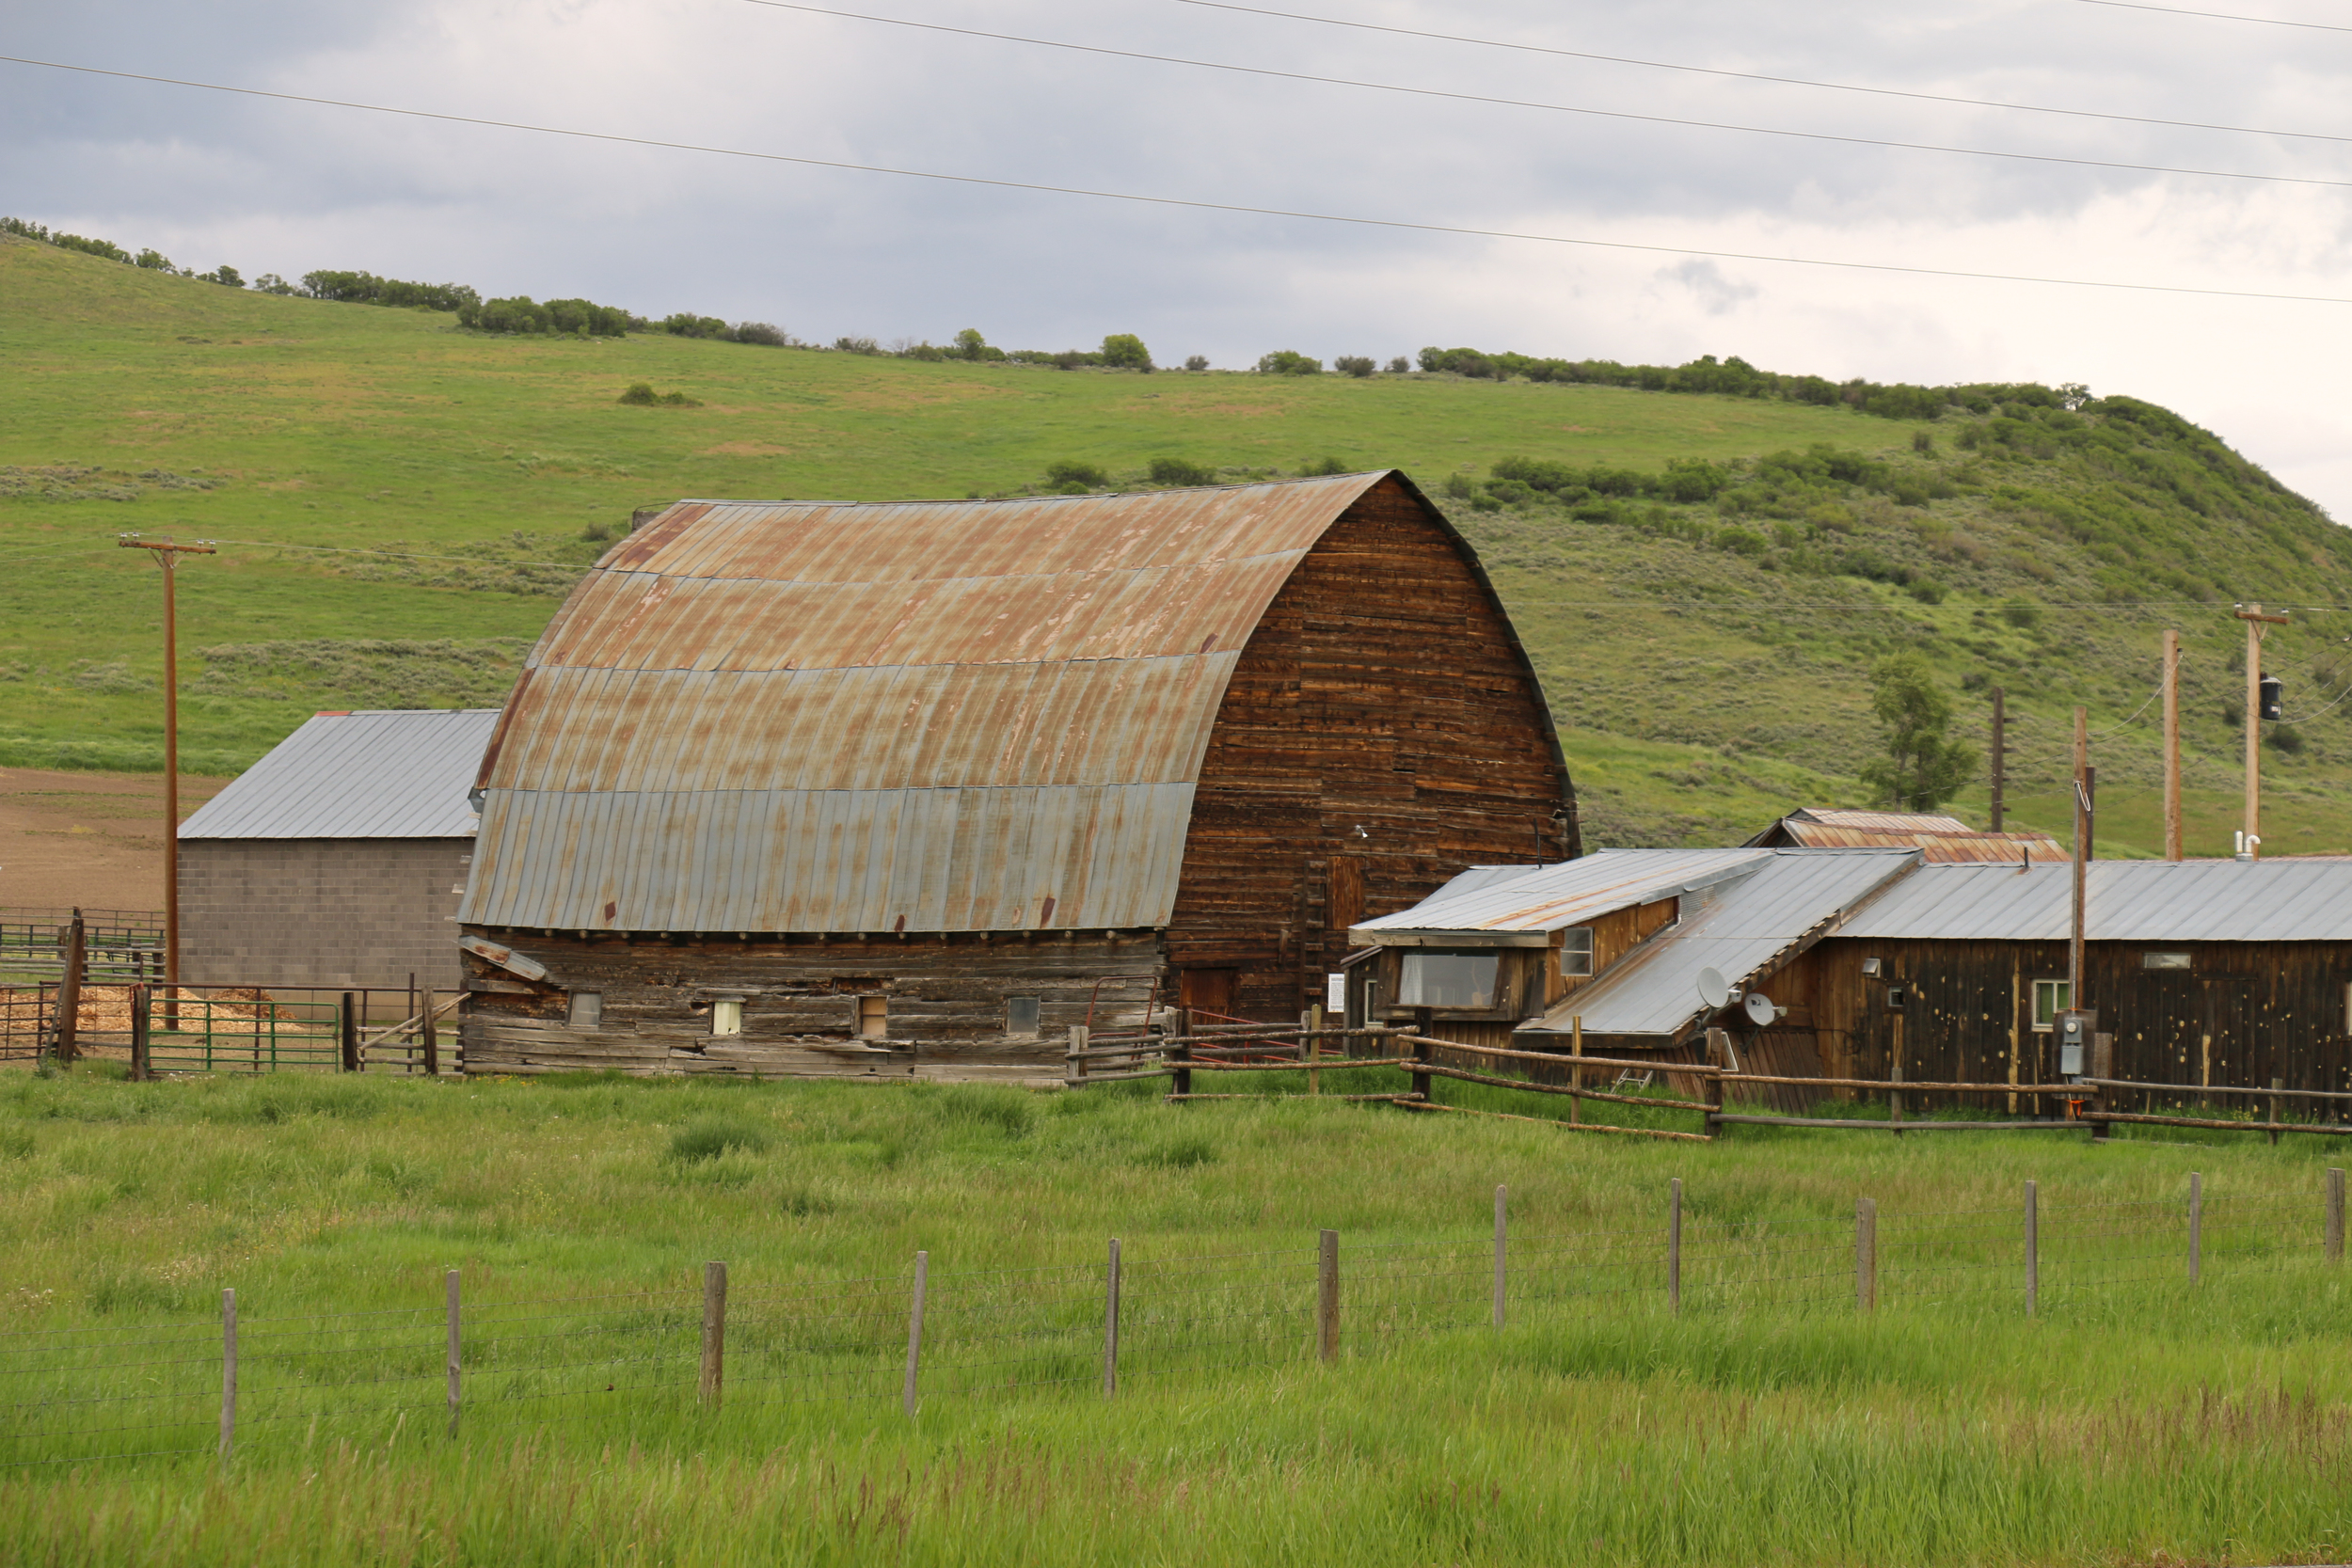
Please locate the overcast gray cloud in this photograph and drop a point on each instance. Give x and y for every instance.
(283, 187)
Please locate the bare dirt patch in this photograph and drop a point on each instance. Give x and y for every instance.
(88, 839)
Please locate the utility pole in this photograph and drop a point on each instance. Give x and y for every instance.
(2000, 752)
(2172, 745)
(2082, 854)
(2255, 624)
(167, 556)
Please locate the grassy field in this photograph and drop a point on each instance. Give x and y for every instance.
(1706, 664)
(2136, 1419)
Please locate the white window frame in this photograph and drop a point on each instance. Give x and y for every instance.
(2166, 960)
(585, 1009)
(2062, 1000)
(1405, 990)
(1576, 953)
(726, 1016)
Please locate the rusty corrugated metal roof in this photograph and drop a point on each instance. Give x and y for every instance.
(1880, 821)
(1989, 849)
(935, 716)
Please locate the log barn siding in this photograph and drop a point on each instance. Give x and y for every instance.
(945, 1000)
(1383, 690)
(2243, 1014)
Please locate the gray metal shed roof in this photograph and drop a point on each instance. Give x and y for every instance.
(385, 774)
(1551, 897)
(2280, 900)
(1743, 931)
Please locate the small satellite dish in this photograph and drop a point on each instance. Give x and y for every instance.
(1713, 988)
(1760, 1009)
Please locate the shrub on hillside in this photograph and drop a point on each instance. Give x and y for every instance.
(1176, 471)
(1125, 351)
(971, 345)
(856, 346)
(1399, 365)
(1324, 468)
(642, 395)
(1288, 362)
(1197, 362)
(2285, 739)
(1073, 478)
(1354, 364)
(2022, 613)
(365, 288)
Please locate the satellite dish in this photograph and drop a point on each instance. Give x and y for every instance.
(1760, 1009)
(1713, 988)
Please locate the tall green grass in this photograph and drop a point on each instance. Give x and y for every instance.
(2136, 1418)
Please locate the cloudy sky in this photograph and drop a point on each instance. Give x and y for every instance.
(270, 185)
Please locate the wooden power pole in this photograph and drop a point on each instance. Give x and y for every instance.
(2000, 752)
(2256, 623)
(167, 555)
(2172, 745)
(2082, 855)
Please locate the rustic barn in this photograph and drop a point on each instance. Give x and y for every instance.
(1938, 838)
(2205, 971)
(909, 788)
(338, 858)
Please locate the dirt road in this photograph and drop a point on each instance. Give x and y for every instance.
(88, 839)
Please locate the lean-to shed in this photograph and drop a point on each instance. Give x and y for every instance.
(907, 788)
(338, 859)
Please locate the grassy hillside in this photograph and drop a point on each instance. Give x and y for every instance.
(1706, 655)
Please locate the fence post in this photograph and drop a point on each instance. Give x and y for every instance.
(1421, 1053)
(915, 1329)
(349, 1030)
(142, 1048)
(2196, 1223)
(1674, 1251)
(456, 1346)
(714, 1334)
(432, 1041)
(1074, 1063)
(1719, 1055)
(1180, 1081)
(2335, 1216)
(1501, 1239)
(1110, 1325)
(2275, 1084)
(228, 1371)
(69, 993)
(1865, 1254)
(1576, 1074)
(1310, 1046)
(2033, 1249)
(1328, 1296)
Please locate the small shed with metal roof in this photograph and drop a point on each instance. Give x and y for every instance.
(338, 858)
(907, 788)
(1937, 837)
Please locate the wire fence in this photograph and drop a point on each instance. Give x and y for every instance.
(1134, 1315)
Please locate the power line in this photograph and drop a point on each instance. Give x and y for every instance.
(1193, 204)
(1760, 76)
(1548, 108)
(2218, 16)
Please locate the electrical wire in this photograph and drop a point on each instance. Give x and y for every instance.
(2216, 16)
(1548, 108)
(1759, 76)
(1184, 202)
(2144, 706)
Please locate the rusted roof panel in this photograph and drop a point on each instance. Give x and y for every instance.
(1880, 821)
(935, 716)
(1988, 848)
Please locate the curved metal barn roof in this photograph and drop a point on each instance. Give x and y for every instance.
(936, 716)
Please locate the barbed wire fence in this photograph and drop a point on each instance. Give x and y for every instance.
(224, 1386)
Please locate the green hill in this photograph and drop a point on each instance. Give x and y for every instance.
(1705, 580)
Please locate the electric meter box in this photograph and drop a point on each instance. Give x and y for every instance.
(2074, 1043)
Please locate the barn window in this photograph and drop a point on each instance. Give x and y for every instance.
(2050, 998)
(585, 1009)
(873, 1016)
(1576, 950)
(1448, 980)
(1021, 1015)
(726, 1018)
(2163, 960)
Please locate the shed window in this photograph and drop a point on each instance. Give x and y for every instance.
(726, 1018)
(2163, 960)
(873, 1016)
(1576, 950)
(2050, 998)
(585, 1009)
(1448, 980)
(1020, 1015)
